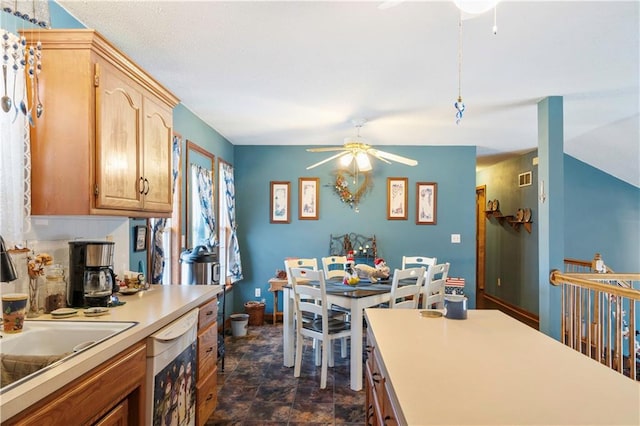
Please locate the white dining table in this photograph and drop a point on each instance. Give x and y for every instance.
(356, 300)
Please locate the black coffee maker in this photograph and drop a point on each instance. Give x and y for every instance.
(91, 277)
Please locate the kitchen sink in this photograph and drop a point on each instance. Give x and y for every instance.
(44, 344)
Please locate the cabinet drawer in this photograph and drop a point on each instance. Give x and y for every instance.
(207, 351)
(208, 313)
(207, 395)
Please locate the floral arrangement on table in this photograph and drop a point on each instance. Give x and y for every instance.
(341, 187)
(35, 268)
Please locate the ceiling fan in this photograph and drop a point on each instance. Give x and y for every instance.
(357, 149)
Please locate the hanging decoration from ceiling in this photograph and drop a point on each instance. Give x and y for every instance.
(459, 105)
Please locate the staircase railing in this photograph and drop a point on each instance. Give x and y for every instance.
(599, 317)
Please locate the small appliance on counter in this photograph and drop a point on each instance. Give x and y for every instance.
(91, 277)
(200, 266)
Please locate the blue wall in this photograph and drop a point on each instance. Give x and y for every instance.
(264, 245)
(602, 214)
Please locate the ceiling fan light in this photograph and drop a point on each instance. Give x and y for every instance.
(364, 165)
(346, 160)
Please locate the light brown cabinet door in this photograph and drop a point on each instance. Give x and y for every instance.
(117, 416)
(157, 178)
(119, 177)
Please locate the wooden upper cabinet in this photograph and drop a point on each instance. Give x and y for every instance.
(118, 141)
(157, 154)
(103, 144)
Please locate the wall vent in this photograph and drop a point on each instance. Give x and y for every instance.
(524, 179)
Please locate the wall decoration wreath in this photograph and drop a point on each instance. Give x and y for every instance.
(343, 179)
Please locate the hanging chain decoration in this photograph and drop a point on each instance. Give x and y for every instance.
(459, 105)
(34, 11)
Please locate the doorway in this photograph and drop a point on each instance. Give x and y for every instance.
(481, 202)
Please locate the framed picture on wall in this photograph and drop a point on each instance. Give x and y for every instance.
(280, 202)
(308, 198)
(141, 238)
(426, 203)
(397, 198)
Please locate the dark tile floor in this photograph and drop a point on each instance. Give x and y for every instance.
(256, 389)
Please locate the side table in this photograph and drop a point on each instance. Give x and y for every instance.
(276, 285)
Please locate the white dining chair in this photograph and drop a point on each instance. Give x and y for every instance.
(310, 286)
(308, 263)
(311, 263)
(407, 295)
(434, 288)
(333, 266)
(417, 261)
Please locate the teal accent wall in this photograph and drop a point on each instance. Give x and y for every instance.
(60, 18)
(512, 253)
(602, 214)
(264, 246)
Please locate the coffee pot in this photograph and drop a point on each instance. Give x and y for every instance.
(99, 285)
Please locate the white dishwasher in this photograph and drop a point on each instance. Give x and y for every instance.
(171, 373)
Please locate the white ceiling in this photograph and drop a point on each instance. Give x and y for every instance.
(298, 72)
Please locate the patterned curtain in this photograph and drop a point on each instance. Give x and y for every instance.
(158, 225)
(205, 193)
(234, 266)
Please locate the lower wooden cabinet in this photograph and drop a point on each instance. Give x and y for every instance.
(117, 416)
(207, 397)
(111, 394)
(379, 408)
(206, 385)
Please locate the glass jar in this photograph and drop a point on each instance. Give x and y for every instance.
(56, 289)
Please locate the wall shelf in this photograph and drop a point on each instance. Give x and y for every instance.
(510, 219)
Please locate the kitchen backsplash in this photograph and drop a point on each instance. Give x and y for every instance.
(51, 234)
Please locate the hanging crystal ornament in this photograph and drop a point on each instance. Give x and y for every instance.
(459, 105)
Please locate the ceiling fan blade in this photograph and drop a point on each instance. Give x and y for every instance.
(340, 154)
(326, 149)
(393, 157)
(375, 154)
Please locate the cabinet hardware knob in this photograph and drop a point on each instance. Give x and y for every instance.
(146, 186)
(376, 377)
(210, 349)
(141, 185)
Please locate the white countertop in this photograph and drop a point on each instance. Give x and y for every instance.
(491, 369)
(151, 309)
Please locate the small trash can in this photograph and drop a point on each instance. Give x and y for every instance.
(255, 311)
(239, 324)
